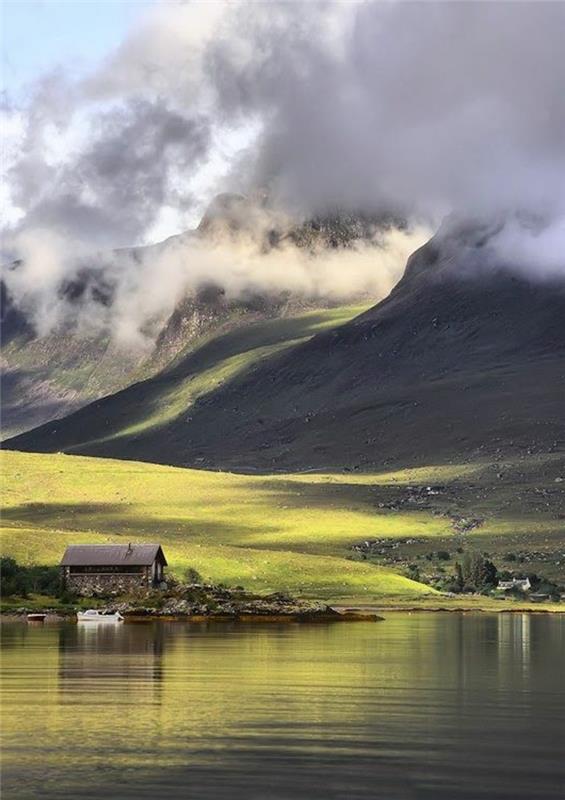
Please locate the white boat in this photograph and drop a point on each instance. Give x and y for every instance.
(36, 616)
(93, 615)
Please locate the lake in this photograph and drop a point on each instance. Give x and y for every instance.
(422, 705)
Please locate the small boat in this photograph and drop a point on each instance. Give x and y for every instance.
(93, 615)
(36, 617)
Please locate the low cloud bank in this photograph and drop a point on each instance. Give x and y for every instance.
(131, 293)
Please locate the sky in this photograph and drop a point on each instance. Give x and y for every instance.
(42, 38)
(39, 35)
(424, 108)
(122, 121)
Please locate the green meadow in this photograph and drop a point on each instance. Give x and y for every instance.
(260, 532)
(267, 533)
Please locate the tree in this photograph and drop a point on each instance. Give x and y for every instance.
(21, 580)
(478, 572)
(13, 579)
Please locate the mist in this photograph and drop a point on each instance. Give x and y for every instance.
(144, 285)
(418, 110)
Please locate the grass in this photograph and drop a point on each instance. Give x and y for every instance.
(262, 533)
(32, 602)
(277, 532)
(211, 361)
(462, 603)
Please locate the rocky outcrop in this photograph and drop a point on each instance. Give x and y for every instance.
(196, 602)
(199, 600)
(203, 601)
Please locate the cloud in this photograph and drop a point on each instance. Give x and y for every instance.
(416, 109)
(532, 247)
(110, 190)
(428, 108)
(130, 293)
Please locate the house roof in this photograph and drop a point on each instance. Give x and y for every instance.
(103, 555)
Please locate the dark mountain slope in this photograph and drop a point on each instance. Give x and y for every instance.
(150, 407)
(51, 375)
(462, 360)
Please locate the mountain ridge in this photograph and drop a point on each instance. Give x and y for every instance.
(49, 376)
(455, 364)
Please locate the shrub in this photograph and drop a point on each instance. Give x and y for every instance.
(12, 581)
(21, 580)
(68, 598)
(192, 575)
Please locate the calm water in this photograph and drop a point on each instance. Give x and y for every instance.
(419, 706)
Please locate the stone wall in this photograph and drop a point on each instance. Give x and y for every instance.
(93, 584)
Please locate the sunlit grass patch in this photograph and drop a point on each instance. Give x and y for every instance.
(271, 532)
(231, 528)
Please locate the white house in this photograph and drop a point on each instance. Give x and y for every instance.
(522, 584)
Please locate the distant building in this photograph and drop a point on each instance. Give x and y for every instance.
(522, 584)
(114, 568)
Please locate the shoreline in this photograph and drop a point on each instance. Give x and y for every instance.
(460, 610)
(207, 602)
(338, 613)
(345, 616)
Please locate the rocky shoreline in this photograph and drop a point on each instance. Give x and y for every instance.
(198, 603)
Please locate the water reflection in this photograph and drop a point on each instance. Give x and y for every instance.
(122, 660)
(447, 705)
(514, 640)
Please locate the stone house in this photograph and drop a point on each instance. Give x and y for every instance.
(89, 569)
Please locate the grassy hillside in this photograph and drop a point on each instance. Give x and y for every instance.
(48, 377)
(123, 421)
(444, 370)
(253, 531)
(291, 532)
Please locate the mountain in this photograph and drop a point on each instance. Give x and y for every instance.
(464, 360)
(51, 375)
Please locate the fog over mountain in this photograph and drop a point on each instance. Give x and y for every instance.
(240, 249)
(415, 110)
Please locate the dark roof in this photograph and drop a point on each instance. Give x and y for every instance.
(103, 555)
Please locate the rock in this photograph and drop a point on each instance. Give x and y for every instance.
(205, 600)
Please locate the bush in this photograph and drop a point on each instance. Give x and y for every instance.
(68, 598)
(451, 586)
(21, 581)
(12, 581)
(192, 575)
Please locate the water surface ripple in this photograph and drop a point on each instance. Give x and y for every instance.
(454, 706)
